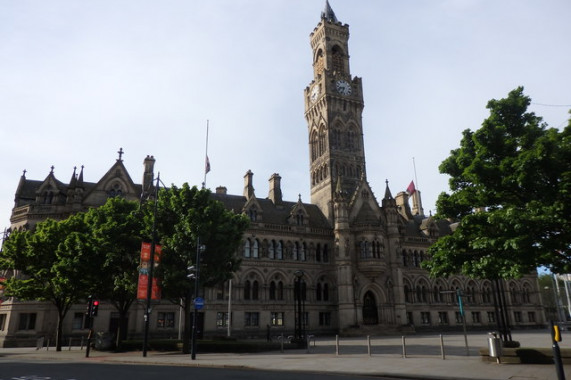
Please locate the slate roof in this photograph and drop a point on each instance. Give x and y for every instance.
(274, 214)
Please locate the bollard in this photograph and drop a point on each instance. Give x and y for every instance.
(403, 347)
(442, 347)
(69, 344)
(48, 345)
(369, 344)
(337, 345)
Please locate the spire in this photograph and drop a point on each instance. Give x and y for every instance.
(80, 179)
(73, 180)
(20, 188)
(388, 194)
(328, 13)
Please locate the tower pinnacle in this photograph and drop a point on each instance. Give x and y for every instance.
(328, 13)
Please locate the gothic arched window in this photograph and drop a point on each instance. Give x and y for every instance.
(247, 289)
(314, 146)
(322, 147)
(255, 290)
(325, 254)
(255, 248)
(272, 291)
(337, 59)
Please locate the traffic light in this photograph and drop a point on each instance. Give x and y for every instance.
(89, 309)
(94, 308)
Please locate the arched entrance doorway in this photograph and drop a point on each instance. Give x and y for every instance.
(370, 312)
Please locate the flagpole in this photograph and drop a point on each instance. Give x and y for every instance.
(415, 179)
(207, 162)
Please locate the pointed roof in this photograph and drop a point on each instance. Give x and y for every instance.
(328, 13)
(388, 194)
(73, 179)
(80, 179)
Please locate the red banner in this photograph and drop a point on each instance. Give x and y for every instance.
(146, 252)
(143, 284)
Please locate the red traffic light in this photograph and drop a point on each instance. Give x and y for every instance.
(94, 308)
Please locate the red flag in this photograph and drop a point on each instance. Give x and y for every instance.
(207, 165)
(411, 189)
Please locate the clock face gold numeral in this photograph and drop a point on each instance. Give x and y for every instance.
(343, 87)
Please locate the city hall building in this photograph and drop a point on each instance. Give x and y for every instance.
(355, 259)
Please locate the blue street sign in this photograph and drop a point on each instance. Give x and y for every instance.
(198, 303)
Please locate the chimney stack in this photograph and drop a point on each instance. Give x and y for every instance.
(275, 194)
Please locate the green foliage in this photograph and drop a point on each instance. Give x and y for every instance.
(93, 253)
(52, 263)
(510, 183)
(186, 216)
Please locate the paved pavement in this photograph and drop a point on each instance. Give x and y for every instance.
(423, 359)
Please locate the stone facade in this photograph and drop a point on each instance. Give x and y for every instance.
(356, 260)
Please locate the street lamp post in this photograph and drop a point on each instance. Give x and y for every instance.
(199, 250)
(151, 267)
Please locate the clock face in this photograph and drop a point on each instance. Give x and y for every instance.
(343, 87)
(314, 93)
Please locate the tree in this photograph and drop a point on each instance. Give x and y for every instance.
(186, 219)
(116, 229)
(54, 262)
(511, 185)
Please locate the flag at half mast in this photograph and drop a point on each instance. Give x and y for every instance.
(411, 189)
(206, 165)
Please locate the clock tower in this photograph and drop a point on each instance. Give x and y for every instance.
(333, 109)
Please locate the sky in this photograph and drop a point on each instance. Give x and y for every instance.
(81, 79)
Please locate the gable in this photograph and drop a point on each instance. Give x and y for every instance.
(116, 182)
(364, 208)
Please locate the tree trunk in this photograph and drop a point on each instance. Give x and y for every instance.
(59, 331)
(123, 324)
